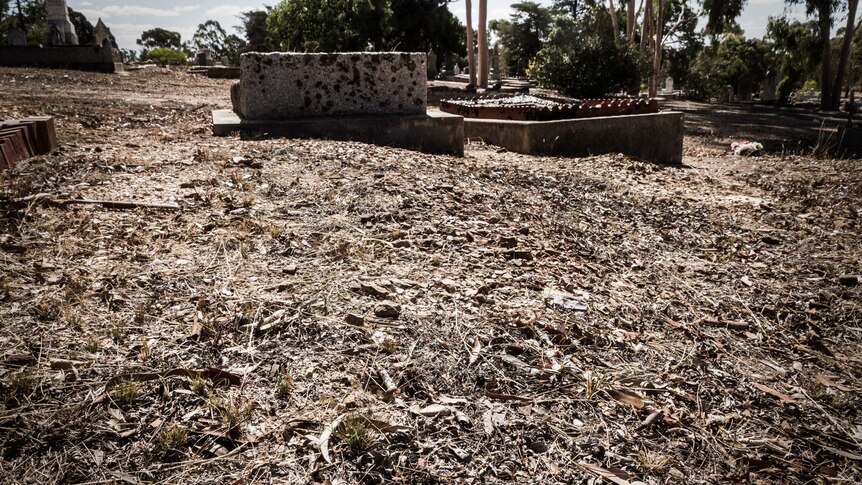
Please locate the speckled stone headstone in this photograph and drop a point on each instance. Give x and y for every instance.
(284, 85)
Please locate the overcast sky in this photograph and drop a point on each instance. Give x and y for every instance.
(128, 18)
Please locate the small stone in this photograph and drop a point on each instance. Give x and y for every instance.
(387, 309)
(561, 300)
(354, 319)
(373, 290)
(290, 269)
(521, 254)
(771, 240)
(449, 285)
(508, 242)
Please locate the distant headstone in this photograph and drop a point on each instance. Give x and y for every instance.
(16, 36)
(744, 87)
(668, 85)
(101, 33)
(769, 86)
(432, 65)
(58, 28)
(495, 64)
(457, 70)
(224, 60)
(204, 57)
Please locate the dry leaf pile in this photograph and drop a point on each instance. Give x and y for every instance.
(337, 312)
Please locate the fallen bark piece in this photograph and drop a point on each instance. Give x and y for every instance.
(117, 204)
(626, 397)
(727, 325)
(605, 474)
(651, 419)
(772, 392)
(324, 437)
(216, 375)
(49, 199)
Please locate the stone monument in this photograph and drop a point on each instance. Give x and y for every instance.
(744, 87)
(432, 65)
(769, 86)
(668, 85)
(102, 34)
(58, 28)
(375, 97)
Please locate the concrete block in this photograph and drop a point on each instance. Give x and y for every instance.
(653, 137)
(280, 85)
(432, 132)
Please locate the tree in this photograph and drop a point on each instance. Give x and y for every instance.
(722, 14)
(522, 36)
(319, 25)
(83, 27)
(796, 47)
(723, 64)
(823, 9)
(158, 37)
(359, 25)
(210, 35)
(254, 29)
(582, 61)
(844, 56)
(420, 25)
(471, 55)
(483, 44)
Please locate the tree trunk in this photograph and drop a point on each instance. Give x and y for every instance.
(483, 43)
(656, 66)
(615, 23)
(824, 21)
(630, 20)
(845, 55)
(471, 55)
(646, 31)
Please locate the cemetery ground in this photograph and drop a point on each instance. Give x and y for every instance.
(332, 312)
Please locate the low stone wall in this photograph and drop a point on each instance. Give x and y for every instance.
(653, 137)
(281, 85)
(83, 57)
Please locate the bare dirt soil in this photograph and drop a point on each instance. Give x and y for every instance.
(329, 312)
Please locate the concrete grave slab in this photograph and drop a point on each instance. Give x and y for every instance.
(432, 132)
(373, 97)
(653, 137)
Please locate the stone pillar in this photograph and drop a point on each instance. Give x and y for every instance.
(58, 28)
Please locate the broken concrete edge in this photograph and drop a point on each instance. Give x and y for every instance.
(430, 132)
(656, 137)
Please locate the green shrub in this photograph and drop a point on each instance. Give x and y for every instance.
(165, 56)
(586, 65)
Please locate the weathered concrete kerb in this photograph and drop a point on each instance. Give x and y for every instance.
(373, 97)
(655, 137)
(277, 85)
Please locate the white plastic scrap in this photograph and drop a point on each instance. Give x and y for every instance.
(746, 148)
